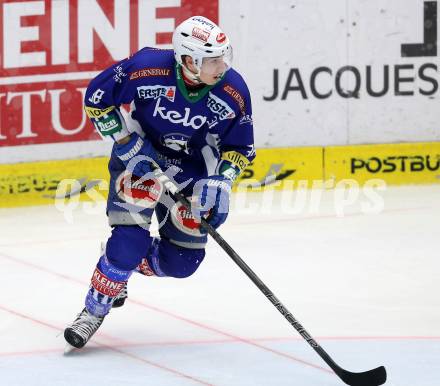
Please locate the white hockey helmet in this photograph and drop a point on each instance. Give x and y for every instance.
(200, 38)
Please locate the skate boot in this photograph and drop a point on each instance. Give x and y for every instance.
(82, 328)
(120, 299)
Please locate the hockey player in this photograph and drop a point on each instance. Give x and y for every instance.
(190, 110)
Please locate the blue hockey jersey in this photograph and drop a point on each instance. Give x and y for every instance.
(205, 125)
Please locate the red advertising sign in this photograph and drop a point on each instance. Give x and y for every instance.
(50, 49)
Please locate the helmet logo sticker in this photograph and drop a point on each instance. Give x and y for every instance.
(204, 21)
(200, 34)
(221, 37)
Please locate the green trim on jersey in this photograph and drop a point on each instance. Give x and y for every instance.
(190, 96)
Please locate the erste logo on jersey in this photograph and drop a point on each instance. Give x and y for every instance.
(196, 122)
(220, 107)
(157, 91)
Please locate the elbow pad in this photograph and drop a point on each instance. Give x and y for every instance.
(231, 165)
(109, 122)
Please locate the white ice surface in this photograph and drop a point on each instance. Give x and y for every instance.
(366, 286)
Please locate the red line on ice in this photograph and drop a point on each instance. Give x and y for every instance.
(178, 317)
(222, 341)
(253, 222)
(132, 356)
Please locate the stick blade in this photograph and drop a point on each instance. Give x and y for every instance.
(374, 377)
(68, 349)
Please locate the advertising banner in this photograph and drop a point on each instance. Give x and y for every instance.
(397, 164)
(41, 183)
(340, 72)
(50, 49)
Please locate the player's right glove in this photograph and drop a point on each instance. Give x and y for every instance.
(137, 155)
(211, 199)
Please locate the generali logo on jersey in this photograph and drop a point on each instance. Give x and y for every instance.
(146, 72)
(46, 61)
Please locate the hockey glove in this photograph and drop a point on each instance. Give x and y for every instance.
(137, 155)
(211, 199)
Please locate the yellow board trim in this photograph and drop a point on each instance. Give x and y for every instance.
(35, 183)
(27, 184)
(396, 164)
(282, 168)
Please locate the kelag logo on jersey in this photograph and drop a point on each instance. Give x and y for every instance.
(154, 92)
(196, 122)
(220, 107)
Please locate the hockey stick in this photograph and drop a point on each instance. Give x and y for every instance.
(374, 377)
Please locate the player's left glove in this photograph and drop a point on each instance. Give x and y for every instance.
(137, 147)
(211, 198)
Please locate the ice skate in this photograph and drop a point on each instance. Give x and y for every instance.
(82, 329)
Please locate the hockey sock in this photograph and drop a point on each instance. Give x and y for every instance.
(106, 283)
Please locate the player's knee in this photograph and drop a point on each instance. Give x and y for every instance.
(179, 262)
(127, 246)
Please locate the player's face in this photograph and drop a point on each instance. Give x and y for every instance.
(213, 69)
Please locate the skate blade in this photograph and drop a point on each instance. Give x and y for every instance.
(68, 349)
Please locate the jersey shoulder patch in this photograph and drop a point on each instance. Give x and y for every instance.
(234, 89)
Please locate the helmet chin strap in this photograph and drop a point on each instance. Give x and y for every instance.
(194, 78)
